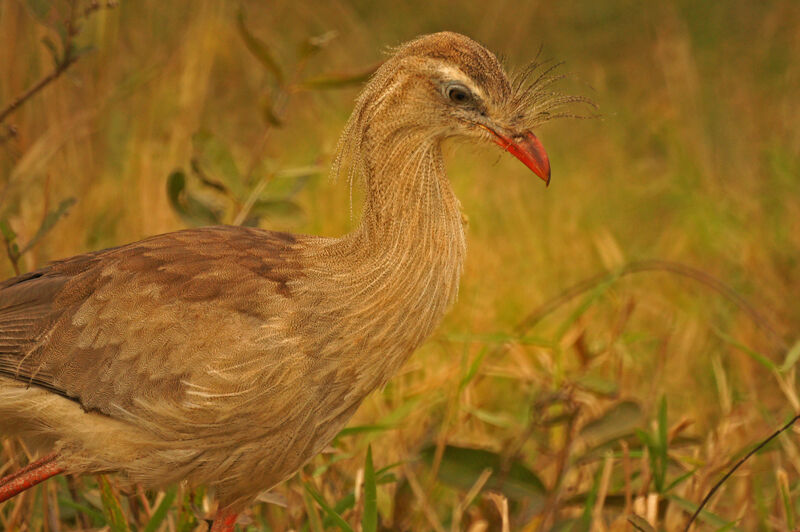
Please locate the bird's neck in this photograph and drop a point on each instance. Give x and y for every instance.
(408, 198)
(402, 264)
(412, 221)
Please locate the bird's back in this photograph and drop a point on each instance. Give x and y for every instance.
(109, 328)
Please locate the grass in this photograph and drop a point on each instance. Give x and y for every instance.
(635, 397)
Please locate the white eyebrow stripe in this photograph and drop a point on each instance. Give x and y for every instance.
(454, 73)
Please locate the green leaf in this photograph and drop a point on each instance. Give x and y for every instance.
(161, 512)
(258, 48)
(214, 156)
(598, 385)
(275, 207)
(461, 466)
(190, 209)
(792, 357)
(369, 521)
(337, 519)
(112, 510)
(54, 53)
(50, 220)
(176, 184)
(618, 421)
(63, 35)
(7, 232)
(758, 357)
(498, 419)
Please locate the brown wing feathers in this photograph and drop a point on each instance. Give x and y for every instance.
(26, 312)
(70, 327)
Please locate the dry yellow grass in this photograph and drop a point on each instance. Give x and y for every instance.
(696, 159)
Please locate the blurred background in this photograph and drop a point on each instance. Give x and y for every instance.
(534, 406)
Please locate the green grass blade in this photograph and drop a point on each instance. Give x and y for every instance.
(161, 512)
(361, 429)
(756, 356)
(663, 445)
(678, 481)
(115, 516)
(94, 515)
(705, 515)
(314, 522)
(369, 521)
(792, 357)
(473, 369)
(337, 519)
(590, 299)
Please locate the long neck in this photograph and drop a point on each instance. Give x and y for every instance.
(396, 275)
(409, 205)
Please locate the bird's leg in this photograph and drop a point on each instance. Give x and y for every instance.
(28, 476)
(32, 465)
(224, 521)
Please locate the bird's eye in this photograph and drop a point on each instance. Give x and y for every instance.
(458, 94)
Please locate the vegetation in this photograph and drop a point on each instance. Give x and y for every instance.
(613, 406)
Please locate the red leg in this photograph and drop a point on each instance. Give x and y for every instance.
(32, 465)
(224, 521)
(28, 476)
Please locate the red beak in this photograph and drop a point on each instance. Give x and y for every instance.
(527, 149)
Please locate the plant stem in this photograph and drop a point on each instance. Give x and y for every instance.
(44, 82)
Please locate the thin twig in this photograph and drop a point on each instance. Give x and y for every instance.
(44, 82)
(69, 58)
(735, 467)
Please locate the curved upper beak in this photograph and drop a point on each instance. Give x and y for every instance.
(527, 148)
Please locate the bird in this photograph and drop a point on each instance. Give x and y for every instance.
(229, 356)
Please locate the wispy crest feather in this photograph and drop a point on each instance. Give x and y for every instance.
(533, 100)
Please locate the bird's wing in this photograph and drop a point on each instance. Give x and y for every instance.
(116, 327)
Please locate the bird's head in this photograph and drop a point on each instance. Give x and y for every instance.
(447, 85)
